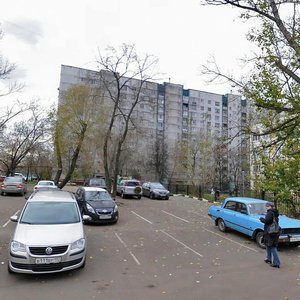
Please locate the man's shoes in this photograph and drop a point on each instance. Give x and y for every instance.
(275, 266)
(267, 261)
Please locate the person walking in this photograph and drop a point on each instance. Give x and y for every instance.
(271, 239)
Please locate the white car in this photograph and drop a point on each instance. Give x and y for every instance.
(129, 188)
(44, 184)
(49, 236)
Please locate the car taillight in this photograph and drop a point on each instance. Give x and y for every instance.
(20, 186)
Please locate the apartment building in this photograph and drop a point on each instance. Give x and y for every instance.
(170, 113)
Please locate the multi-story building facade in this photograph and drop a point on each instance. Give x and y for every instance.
(170, 114)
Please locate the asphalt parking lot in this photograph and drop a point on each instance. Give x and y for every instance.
(158, 250)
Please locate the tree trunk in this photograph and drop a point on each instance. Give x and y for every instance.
(74, 157)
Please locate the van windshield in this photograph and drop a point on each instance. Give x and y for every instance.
(50, 212)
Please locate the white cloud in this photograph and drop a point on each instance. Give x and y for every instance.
(29, 31)
(182, 34)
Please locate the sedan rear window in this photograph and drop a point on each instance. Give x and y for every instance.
(257, 208)
(13, 179)
(132, 183)
(50, 213)
(45, 183)
(97, 182)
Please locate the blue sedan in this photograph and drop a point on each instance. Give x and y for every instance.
(242, 214)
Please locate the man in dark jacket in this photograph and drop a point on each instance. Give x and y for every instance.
(271, 240)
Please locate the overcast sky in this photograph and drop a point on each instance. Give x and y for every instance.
(39, 36)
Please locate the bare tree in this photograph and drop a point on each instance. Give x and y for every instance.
(6, 88)
(119, 70)
(21, 138)
(273, 83)
(158, 159)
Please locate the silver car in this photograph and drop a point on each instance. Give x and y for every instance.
(13, 185)
(129, 188)
(155, 190)
(49, 236)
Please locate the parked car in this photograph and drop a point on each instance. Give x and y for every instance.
(96, 182)
(242, 214)
(44, 184)
(98, 204)
(21, 175)
(13, 185)
(129, 188)
(155, 190)
(49, 236)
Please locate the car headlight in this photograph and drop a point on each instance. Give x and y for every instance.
(90, 208)
(16, 246)
(116, 208)
(78, 245)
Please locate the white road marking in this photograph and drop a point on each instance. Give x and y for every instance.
(175, 216)
(126, 247)
(252, 249)
(4, 225)
(142, 217)
(181, 243)
(223, 237)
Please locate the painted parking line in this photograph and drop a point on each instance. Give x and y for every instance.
(181, 243)
(129, 251)
(184, 220)
(141, 217)
(228, 239)
(5, 224)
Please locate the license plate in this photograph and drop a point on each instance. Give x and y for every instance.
(48, 260)
(104, 217)
(295, 239)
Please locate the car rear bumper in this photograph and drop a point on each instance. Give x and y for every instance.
(13, 191)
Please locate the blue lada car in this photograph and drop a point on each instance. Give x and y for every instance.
(242, 214)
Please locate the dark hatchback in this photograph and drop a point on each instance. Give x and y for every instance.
(96, 182)
(98, 204)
